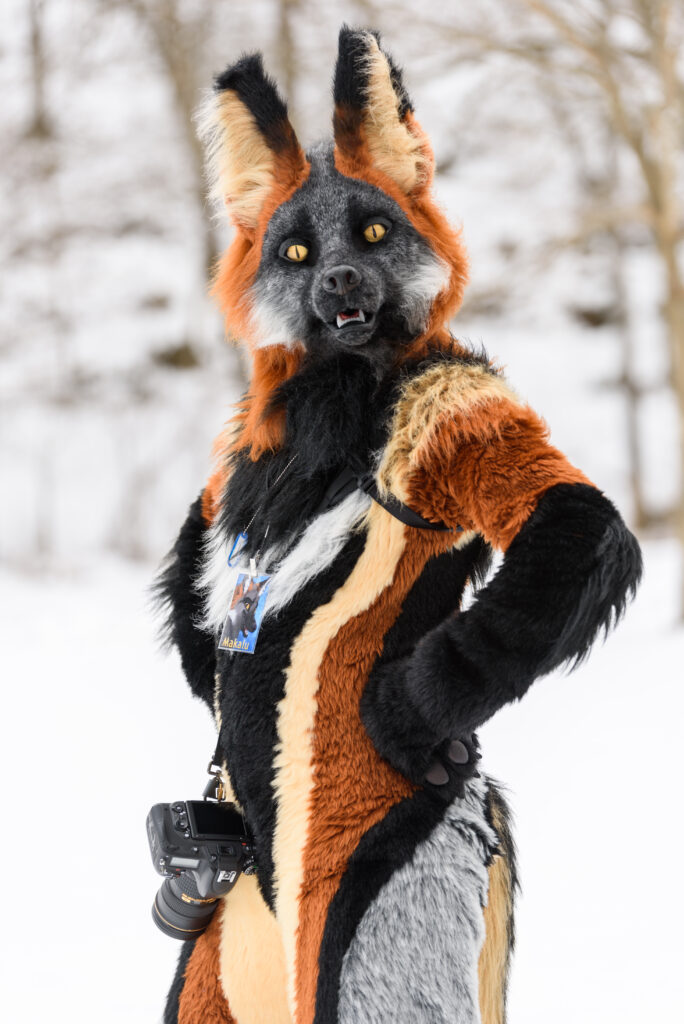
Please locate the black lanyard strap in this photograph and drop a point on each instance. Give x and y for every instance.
(351, 479)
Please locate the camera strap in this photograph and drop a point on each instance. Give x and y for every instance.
(215, 790)
(355, 476)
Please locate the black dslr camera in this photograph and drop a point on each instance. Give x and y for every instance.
(201, 848)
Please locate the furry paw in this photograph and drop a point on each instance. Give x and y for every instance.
(400, 733)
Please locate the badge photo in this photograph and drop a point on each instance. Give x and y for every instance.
(245, 612)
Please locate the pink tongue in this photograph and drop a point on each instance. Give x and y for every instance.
(349, 316)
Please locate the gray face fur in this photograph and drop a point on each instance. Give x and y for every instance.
(392, 282)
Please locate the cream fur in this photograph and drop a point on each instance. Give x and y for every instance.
(252, 962)
(440, 391)
(240, 165)
(494, 956)
(293, 782)
(395, 149)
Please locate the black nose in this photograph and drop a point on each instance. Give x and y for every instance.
(341, 280)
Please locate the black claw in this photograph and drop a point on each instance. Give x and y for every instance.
(458, 752)
(437, 775)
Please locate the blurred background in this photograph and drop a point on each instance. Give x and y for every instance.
(558, 128)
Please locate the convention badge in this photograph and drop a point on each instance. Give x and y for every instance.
(245, 611)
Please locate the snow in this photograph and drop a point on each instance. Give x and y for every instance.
(98, 726)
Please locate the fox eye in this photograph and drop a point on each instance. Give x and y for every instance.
(376, 230)
(295, 252)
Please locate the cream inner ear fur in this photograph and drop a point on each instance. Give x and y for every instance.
(395, 150)
(240, 166)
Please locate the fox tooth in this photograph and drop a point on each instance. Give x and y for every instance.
(358, 318)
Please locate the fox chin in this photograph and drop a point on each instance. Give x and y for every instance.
(371, 469)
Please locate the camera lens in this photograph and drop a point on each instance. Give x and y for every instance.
(179, 910)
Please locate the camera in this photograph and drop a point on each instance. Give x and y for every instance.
(201, 848)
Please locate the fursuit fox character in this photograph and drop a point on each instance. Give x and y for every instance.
(375, 463)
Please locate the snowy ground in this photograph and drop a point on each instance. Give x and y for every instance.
(591, 762)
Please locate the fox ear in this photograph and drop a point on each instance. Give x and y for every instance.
(251, 146)
(373, 120)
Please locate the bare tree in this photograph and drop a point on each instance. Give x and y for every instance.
(618, 63)
(181, 38)
(642, 91)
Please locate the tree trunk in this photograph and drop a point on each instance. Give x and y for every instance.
(674, 319)
(39, 126)
(630, 386)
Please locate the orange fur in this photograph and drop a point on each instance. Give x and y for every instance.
(485, 467)
(353, 158)
(211, 495)
(238, 266)
(202, 1000)
(356, 779)
(234, 277)
(260, 430)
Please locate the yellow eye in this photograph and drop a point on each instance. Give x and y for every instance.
(297, 252)
(374, 232)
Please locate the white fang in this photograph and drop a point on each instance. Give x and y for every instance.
(357, 317)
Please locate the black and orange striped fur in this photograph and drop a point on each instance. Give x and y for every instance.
(386, 869)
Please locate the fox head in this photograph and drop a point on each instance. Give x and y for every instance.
(337, 249)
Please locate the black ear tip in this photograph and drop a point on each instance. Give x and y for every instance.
(355, 39)
(250, 66)
(259, 93)
(351, 74)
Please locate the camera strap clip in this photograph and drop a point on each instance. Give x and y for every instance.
(215, 789)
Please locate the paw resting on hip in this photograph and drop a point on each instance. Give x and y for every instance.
(432, 754)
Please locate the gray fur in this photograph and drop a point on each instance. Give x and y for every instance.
(401, 275)
(414, 957)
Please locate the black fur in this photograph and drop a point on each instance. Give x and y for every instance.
(171, 1009)
(259, 93)
(334, 409)
(397, 77)
(384, 849)
(182, 607)
(350, 82)
(566, 578)
(328, 214)
(351, 79)
(250, 693)
(337, 410)
(435, 594)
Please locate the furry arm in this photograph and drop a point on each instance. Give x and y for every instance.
(181, 603)
(570, 565)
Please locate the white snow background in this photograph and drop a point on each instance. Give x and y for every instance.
(97, 725)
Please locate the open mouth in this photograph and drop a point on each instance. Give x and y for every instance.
(352, 316)
(354, 326)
